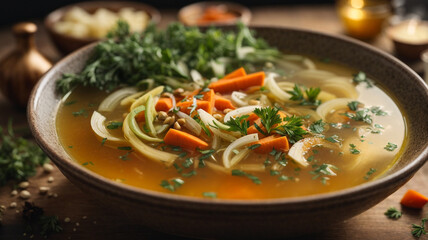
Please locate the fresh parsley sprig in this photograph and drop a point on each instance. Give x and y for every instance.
(311, 95)
(393, 213)
(238, 124)
(292, 128)
(418, 230)
(19, 157)
(269, 118)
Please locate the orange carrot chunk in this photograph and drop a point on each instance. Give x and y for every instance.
(163, 104)
(210, 98)
(238, 83)
(413, 199)
(140, 117)
(184, 140)
(276, 142)
(252, 129)
(186, 107)
(237, 73)
(222, 103)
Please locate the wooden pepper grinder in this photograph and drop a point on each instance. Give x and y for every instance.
(22, 68)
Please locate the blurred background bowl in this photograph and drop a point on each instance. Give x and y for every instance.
(206, 13)
(66, 43)
(410, 38)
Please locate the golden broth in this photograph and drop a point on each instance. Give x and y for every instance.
(77, 137)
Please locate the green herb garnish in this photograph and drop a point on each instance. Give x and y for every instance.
(114, 125)
(353, 149)
(393, 213)
(237, 172)
(209, 194)
(292, 128)
(172, 185)
(125, 58)
(369, 173)
(418, 230)
(317, 127)
(353, 105)
(19, 157)
(269, 117)
(238, 124)
(36, 221)
(390, 146)
(361, 77)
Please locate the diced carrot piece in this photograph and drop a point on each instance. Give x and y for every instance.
(184, 140)
(163, 104)
(237, 73)
(252, 118)
(222, 103)
(209, 96)
(276, 142)
(413, 199)
(186, 107)
(239, 83)
(140, 117)
(252, 129)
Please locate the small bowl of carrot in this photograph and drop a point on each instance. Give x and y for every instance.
(214, 13)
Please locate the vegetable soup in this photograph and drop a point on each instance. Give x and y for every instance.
(279, 125)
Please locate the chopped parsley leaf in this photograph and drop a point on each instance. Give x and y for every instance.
(393, 213)
(114, 125)
(240, 173)
(172, 185)
(390, 146)
(209, 194)
(369, 173)
(418, 230)
(353, 149)
(317, 127)
(353, 105)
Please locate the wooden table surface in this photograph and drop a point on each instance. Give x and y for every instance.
(91, 221)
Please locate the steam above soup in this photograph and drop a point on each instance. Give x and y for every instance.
(293, 126)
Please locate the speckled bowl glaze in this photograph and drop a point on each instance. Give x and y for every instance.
(259, 218)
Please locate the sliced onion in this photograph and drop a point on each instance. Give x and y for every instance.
(181, 68)
(243, 51)
(243, 141)
(299, 149)
(112, 100)
(252, 167)
(273, 87)
(237, 98)
(190, 123)
(315, 74)
(210, 121)
(161, 128)
(340, 87)
(309, 63)
(325, 108)
(98, 126)
(218, 68)
(217, 167)
(143, 99)
(216, 142)
(240, 112)
(145, 150)
(149, 116)
(238, 157)
(197, 77)
(133, 125)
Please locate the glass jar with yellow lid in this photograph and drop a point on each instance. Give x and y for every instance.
(364, 19)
